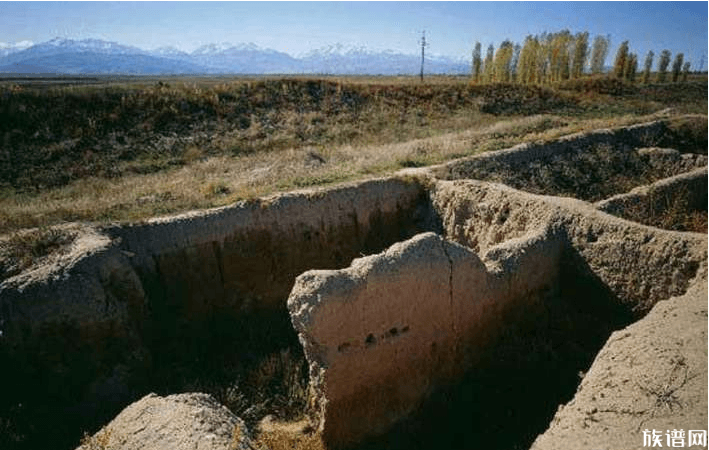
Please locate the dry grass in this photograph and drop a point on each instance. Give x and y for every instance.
(221, 180)
(22, 249)
(592, 174)
(669, 211)
(99, 441)
(132, 150)
(283, 440)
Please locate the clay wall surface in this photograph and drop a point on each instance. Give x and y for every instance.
(384, 333)
(640, 265)
(129, 303)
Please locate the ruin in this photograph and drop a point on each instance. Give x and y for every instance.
(440, 283)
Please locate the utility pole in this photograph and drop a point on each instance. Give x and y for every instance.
(423, 47)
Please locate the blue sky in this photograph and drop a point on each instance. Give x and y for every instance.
(296, 27)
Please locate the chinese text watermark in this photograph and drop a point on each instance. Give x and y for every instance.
(674, 438)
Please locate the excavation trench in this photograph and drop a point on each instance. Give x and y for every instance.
(428, 346)
(520, 373)
(588, 166)
(190, 303)
(432, 314)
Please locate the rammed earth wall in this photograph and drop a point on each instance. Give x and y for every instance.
(392, 329)
(131, 304)
(88, 332)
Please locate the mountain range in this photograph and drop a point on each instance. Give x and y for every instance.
(94, 56)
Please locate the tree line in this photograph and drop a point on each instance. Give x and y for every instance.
(552, 57)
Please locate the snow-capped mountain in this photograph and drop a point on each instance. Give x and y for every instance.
(343, 59)
(91, 56)
(169, 52)
(95, 56)
(7, 48)
(337, 49)
(244, 58)
(212, 49)
(85, 45)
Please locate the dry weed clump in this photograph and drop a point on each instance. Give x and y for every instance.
(23, 249)
(276, 385)
(283, 440)
(591, 174)
(99, 441)
(687, 134)
(521, 99)
(669, 211)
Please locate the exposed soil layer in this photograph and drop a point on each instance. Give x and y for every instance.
(198, 301)
(189, 303)
(500, 404)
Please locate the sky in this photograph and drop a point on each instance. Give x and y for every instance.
(452, 28)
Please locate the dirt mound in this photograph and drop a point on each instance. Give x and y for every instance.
(177, 422)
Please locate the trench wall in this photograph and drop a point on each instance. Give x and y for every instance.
(131, 304)
(383, 334)
(676, 195)
(203, 272)
(248, 255)
(589, 166)
(640, 265)
(480, 166)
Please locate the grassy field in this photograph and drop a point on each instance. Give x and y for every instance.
(125, 149)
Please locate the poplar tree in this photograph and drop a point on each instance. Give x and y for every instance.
(488, 69)
(620, 60)
(599, 53)
(685, 71)
(648, 67)
(665, 57)
(477, 62)
(631, 67)
(543, 58)
(580, 54)
(503, 58)
(677, 67)
(514, 64)
(559, 55)
(526, 67)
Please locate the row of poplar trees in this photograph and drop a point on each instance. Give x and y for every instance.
(553, 57)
